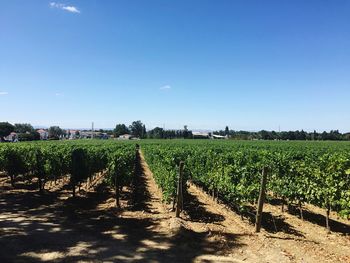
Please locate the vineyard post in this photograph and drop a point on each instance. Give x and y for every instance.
(327, 219)
(261, 200)
(116, 185)
(301, 210)
(73, 184)
(179, 197)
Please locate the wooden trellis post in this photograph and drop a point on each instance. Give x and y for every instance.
(261, 200)
(116, 185)
(179, 195)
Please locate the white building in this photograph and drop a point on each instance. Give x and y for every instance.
(44, 135)
(214, 136)
(201, 135)
(125, 137)
(11, 137)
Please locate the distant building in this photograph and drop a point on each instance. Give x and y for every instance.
(44, 135)
(201, 135)
(72, 134)
(87, 134)
(12, 137)
(126, 137)
(207, 135)
(214, 136)
(103, 136)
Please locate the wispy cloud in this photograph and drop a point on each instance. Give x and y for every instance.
(58, 94)
(2, 93)
(165, 87)
(68, 8)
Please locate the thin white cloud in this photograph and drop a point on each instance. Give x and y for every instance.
(71, 9)
(57, 94)
(3, 93)
(165, 87)
(68, 8)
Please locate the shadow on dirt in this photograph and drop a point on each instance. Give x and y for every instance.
(320, 220)
(312, 217)
(197, 212)
(37, 227)
(140, 195)
(270, 223)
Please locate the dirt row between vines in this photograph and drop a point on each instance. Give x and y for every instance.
(295, 240)
(55, 227)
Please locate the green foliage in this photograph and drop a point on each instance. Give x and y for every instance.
(314, 172)
(164, 162)
(120, 129)
(23, 128)
(55, 132)
(138, 129)
(79, 167)
(13, 162)
(30, 136)
(49, 160)
(5, 129)
(121, 164)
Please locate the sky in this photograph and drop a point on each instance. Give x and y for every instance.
(250, 65)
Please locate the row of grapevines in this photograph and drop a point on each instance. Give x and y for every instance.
(318, 178)
(164, 162)
(312, 173)
(81, 160)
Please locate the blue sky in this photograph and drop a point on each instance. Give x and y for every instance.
(247, 64)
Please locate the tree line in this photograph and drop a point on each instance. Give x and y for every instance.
(26, 132)
(138, 129)
(333, 135)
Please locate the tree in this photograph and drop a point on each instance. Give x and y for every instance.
(185, 132)
(137, 128)
(144, 132)
(156, 133)
(23, 128)
(29, 136)
(55, 132)
(227, 131)
(5, 130)
(120, 129)
(265, 135)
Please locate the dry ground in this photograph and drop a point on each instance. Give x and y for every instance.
(54, 227)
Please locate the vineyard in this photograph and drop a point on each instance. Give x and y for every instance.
(299, 174)
(80, 160)
(317, 174)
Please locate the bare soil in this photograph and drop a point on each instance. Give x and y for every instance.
(54, 227)
(283, 238)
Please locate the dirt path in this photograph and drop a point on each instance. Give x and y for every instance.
(172, 239)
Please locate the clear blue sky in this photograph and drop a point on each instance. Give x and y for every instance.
(247, 64)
